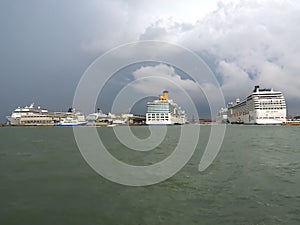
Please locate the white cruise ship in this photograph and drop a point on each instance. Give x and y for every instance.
(30, 115)
(164, 111)
(262, 106)
(36, 116)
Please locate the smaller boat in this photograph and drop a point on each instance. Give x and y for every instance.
(71, 122)
(73, 119)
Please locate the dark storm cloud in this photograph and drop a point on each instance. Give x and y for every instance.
(41, 53)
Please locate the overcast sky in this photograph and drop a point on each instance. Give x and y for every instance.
(47, 45)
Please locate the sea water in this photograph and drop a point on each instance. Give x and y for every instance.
(255, 179)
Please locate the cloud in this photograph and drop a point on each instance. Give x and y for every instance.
(119, 22)
(151, 81)
(235, 80)
(251, 42)
(155, 79)
(167, 30)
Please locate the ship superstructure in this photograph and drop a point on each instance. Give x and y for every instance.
(164, 111)
(262, 106)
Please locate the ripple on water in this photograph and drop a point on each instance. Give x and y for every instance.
(24, 154)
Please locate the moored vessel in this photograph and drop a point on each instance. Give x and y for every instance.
(30, 115)
(262, 106)
(164, 111)
(73, 118)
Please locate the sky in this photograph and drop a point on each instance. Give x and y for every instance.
(46, 46)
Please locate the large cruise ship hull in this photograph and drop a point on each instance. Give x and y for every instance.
(260, 117)
(13, 120)
(162, 120)
(159, 123)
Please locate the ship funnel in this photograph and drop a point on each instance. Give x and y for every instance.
(166, 95)
(256, 88)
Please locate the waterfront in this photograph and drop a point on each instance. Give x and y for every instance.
(255, 179)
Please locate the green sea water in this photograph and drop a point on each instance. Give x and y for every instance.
(255, 179)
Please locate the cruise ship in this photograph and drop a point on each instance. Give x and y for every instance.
(30, 115)
(262, 106)
(36, 116)
(164, 111)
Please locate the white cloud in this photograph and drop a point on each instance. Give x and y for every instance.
(155, 79)
(251, 41)
(236, 81)
(120, 22)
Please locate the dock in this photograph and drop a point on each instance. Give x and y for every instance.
(293, 123)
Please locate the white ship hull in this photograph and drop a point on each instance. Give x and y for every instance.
(159, 122)
(165, 119)
(263, 118)
(13, 120)
(158, 119)
(77, 119)
(71, 124)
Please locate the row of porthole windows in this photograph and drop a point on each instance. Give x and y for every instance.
(269, 108)
(158, 116)
(270, 117)
(158, 119)
(37, 121)
(36, 116)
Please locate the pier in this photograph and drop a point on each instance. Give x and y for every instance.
(292, 122)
